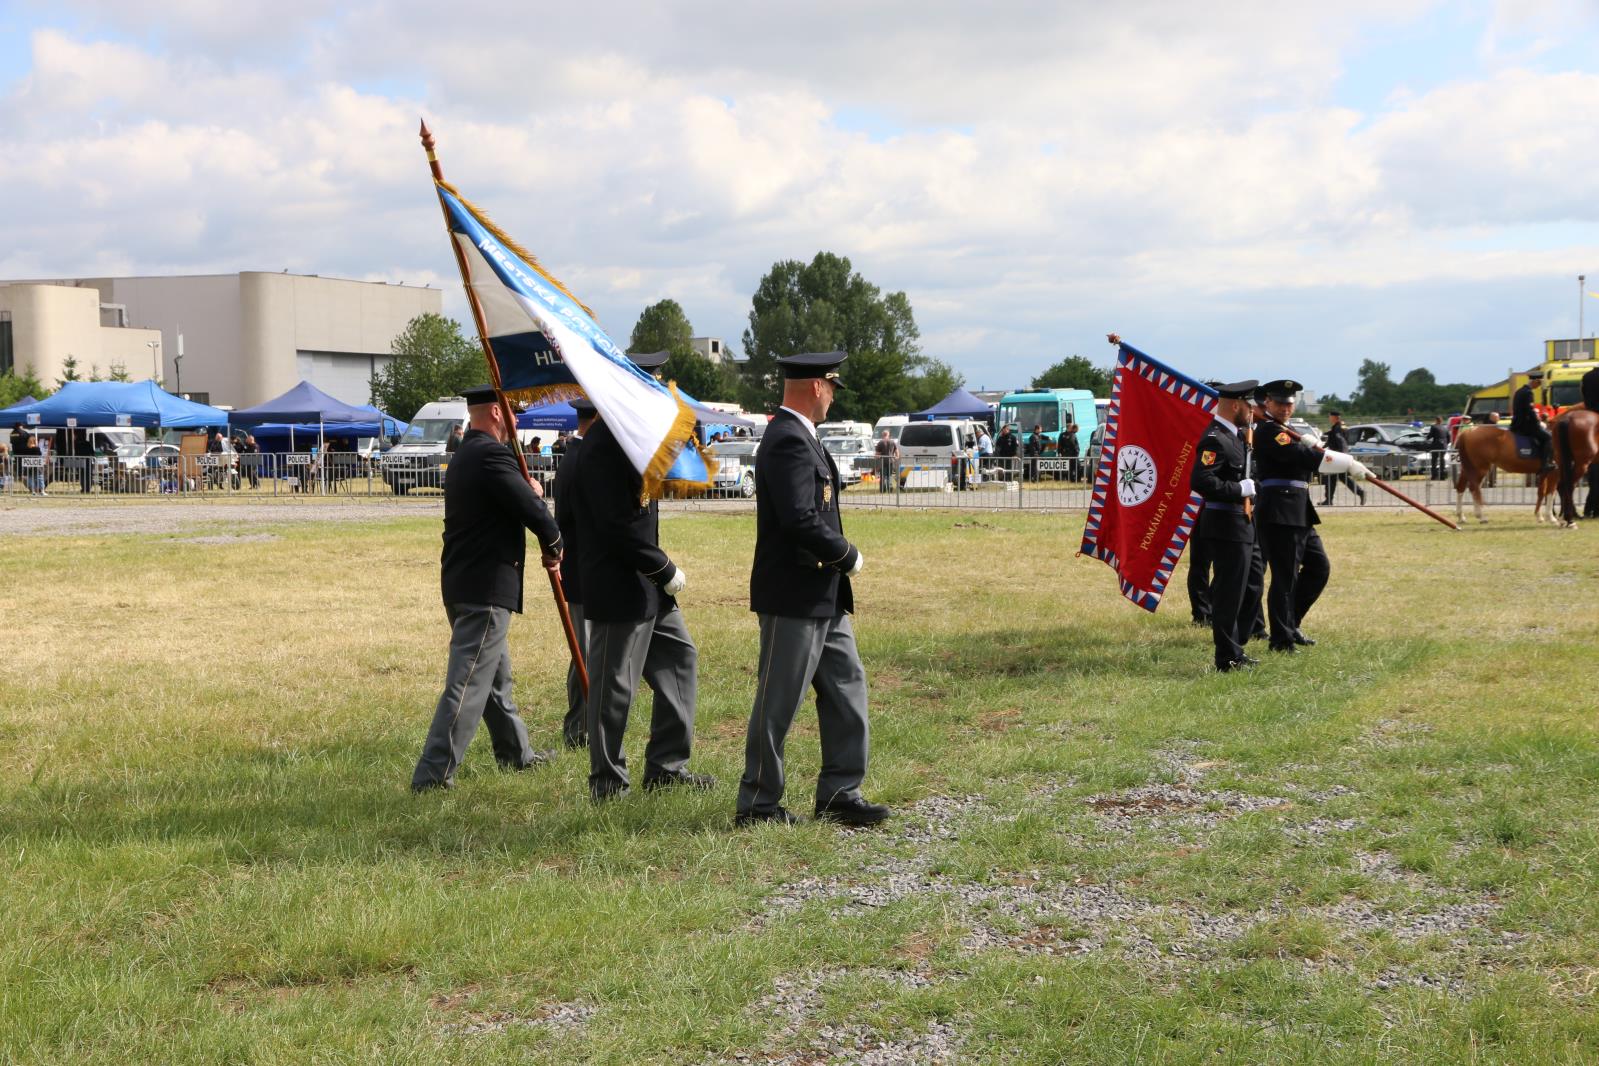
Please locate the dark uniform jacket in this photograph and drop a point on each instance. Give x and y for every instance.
(1216, 476)
(801, 555)
(1281, 458)
(562, 489)
(622, 567)
(488, 507)
(1336, 440)
(1590, 389)
(1523, 419)
(1437, 438)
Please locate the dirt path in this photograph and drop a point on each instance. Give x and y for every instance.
(78, 517)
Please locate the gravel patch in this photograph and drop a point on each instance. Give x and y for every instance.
(795, 1001)
(228, 538)
(95, 517)
(554, 1017)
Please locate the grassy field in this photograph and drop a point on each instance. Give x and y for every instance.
(1380, 850)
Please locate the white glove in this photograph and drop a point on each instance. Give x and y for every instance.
(1359, 470)
(860, 561)
(1311, 437)
(674, 586)
(1247, 487)
(1335, 462)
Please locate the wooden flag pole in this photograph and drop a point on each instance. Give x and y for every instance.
(505, 406)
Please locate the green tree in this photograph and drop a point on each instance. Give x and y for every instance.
(825, 305)
(662, 327)
(118, 372)
(1075, 372)
(14, 386)
(432, 358)
(701, 378)
(69, 371)
(1375, 392)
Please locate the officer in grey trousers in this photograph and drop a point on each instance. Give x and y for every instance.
(488, 506)
(574, 729)
(635, 630)
(800, 591)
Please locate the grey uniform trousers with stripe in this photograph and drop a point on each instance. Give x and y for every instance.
(477, 686)
(796, 654)
(660, 652)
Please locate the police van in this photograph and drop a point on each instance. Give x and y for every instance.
(419, 460)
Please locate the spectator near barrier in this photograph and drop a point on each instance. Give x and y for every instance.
(1036, 443)
(1070, 450)
(887, 450)
(1437, 445)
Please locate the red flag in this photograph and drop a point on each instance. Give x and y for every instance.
(1142, 510)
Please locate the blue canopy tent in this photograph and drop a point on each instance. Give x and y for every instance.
(10, 416)
(120, 403)
(307, 410)
(556, 416)
(958, 404)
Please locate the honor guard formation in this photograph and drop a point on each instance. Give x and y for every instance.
(622, 592)
(1253, 475)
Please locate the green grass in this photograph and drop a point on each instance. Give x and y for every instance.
(1381, 850)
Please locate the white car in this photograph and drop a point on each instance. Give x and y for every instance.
(735, 467)
(852, 454)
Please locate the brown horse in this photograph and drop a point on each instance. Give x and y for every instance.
(1576, 433)
(1480, 448)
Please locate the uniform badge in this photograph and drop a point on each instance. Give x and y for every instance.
(1284, 438)
(1207, 457)
(827, 492)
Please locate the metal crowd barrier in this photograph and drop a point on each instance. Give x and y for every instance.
(987, 483)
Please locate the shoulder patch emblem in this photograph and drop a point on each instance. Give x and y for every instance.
(1207, 457)
(1284, 438)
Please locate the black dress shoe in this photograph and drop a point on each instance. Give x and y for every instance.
(1303, 641)
(607, 792)
(538, 758)
(856, 811)
(432, 786)
(1249, 660)
(1229, 667)
(671, 778)
(780, 816)
(1259, 634)
(580, 740)
(1199, 621)
(1286, 648)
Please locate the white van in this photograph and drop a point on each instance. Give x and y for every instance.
(419, 459)
(895, 424)
(926, 448)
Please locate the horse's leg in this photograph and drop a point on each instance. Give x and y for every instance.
(1476, 498)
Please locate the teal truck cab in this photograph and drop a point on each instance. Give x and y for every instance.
(1053, 410)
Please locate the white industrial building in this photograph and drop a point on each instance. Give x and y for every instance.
(246, 337)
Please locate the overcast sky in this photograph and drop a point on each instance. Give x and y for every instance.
(1269, 190)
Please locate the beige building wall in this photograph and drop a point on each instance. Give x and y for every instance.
(50, 323)
(246, 337)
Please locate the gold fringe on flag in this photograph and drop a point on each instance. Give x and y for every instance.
(505, 239)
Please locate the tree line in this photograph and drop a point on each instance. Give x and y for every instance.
(823, 305)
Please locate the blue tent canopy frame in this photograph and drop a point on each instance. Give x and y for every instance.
(958, 404)
(119, 403)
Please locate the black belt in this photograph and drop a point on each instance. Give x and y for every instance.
(1223, 506)
(1283, 483)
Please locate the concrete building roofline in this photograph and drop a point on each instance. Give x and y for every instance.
(78, 281)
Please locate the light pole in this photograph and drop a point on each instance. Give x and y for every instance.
(177, 371)
(1581, 284)
(155, 360)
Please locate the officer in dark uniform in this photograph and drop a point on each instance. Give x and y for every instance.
(1224, 532)
(800, 591)
(1285, 519)
(1590, 389)
(488, 505)
(1524, 418)
(1199, 564)
(574, 729)
(635, 630)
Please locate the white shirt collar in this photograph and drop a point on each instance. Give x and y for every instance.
(1226, 423)
(805, 421)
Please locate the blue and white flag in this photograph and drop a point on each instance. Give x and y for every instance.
(548, 347)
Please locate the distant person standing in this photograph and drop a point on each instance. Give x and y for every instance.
(1035, 447)
(488, 505)
(1437, 446)
(1338, 441)
(250, 459)
(453, 441)
(887, 462)
(800, 592)
(1590, 389)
